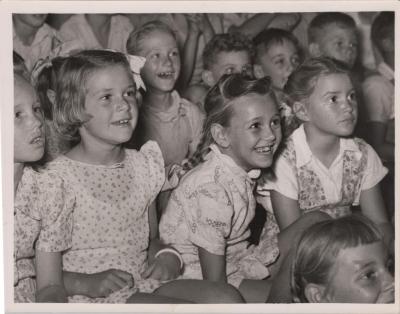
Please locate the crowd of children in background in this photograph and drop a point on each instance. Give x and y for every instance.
(146, 145)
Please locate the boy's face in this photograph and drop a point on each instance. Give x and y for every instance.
(29, 134)
(163, 64)
(278, 62)
(32, 20)
(337, 42)
(361, 275)
(228, 62)
(331, 109)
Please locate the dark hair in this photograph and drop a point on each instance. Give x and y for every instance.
(318, 23)
(69, 112)
(135, 37)
(273, 36)
(226, 42)
(319, 246)
(218, 106)
(382, 27)
(302, 81)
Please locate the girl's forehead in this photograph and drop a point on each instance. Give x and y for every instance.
(156, 38)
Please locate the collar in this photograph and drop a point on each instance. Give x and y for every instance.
(386, 71)
(232, 165)
(43, 32)
(304, 154)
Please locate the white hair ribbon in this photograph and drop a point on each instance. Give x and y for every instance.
(136, 63)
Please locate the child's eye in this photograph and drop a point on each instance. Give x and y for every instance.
(131, 93)
(353, 45)
(255, 125)
(333, 99)
(295, 61)
(174, 53)
(280, 62)
(106, 97)
(155, 55)
(276, 122)
(17, 114)
(369, 275)
(352, 97)
(339, 44)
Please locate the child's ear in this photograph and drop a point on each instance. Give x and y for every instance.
(51, 95)
(314, 293)
(219, 135)
(208, 78)
(314, 50)
(300, 111)
(258, 71)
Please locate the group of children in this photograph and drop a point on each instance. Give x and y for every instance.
(126, 192)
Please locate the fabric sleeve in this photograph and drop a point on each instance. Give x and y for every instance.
(210, 218)
(55, 205)
(375, 170)
(377, 98)
(155, 172)
(285, 181)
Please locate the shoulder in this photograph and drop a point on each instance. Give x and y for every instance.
(122, 22)
(149, 156)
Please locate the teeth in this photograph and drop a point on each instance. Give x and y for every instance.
(37, 140)
(265, 149)
(166, 74)
(123, 121)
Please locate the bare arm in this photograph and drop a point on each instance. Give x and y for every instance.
(286, 210)
(373, 207)
(50, 287)
(213, 266)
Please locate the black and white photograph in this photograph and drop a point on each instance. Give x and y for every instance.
(199, 156)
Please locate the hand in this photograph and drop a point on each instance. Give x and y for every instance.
(194, 21)
(287, 21)
(104, 283)
(165, 267)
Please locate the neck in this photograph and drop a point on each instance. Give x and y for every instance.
(97, 154)
(324, 146)
(160, 100)
(25, 32)
(18, 170)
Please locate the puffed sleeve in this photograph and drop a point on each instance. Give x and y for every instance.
(154, 168)
(210, 218)
(285, 181)
(375, 171)
(55, 207)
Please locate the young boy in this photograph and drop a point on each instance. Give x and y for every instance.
(278, 54)
(378, 92)
(334, 35)
(225, 53)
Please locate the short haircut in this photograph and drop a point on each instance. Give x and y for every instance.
(382, 27)
(133, 45)
(319, 22)
(226, 42)
(319, 246)
(69, 112)
(274, 36)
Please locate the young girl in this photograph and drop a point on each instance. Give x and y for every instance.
(342, 261)
(41, 231)
(321, 167)
(173, 122)
(114, 250)
(208, 215)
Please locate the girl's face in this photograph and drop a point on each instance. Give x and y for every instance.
(29, 134)
(279, 61)
(254, 131)
(111, 103)
(360, 275)
(332, 107)
(163, 64)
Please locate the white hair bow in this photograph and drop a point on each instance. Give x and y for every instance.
(136, 63)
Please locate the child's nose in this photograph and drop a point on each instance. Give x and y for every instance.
(123, 104)
(35, 121)
(268, 134)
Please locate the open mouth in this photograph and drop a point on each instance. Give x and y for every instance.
(268, 149)
(166, 75)
(122, 122)
(38, 140)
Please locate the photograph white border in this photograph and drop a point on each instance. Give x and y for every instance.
(6, 141)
